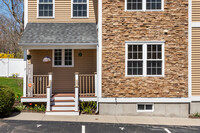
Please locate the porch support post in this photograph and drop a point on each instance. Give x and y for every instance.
(50, 81)
(95, 81)
(24, 76)
(76, 91)
(48, 98)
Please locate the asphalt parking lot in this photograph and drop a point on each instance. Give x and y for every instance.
(15, 126)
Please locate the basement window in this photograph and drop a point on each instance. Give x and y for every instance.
(63, 58)
(145, 108)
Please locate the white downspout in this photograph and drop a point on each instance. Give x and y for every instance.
(99, 54)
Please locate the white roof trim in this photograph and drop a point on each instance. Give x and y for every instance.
(59, 47)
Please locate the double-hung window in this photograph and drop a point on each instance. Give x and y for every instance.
(144, 5)
(45, 8)
(145, 59)
(80, 8)
(63, 58)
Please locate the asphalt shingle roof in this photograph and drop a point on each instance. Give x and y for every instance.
(59, 33)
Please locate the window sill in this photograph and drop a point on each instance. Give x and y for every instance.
(132, 76)
(144, 10)
(79, 17)
(45, 17)
(145, 111)
(62, 66)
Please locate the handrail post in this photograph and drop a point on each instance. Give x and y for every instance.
(50, 81)
(76, 91)
(49, 92)
(48, 98)
(95, 81)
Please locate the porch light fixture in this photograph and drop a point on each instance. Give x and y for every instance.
(46, 59)
(28, 57)
(80, 54)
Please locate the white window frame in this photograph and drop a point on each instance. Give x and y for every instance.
(63, 59)
(78, 16)
(46, 16)
(145, 107)
(144, 58)
(144, 6)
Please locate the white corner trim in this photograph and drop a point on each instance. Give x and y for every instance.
(23, 100)
(99, 50)
(25, 13)
(189, 49)
(63, 59)
(43, 17)
(145, 100)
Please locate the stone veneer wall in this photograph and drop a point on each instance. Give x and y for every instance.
(120, 26)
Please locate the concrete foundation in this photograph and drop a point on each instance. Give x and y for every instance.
(160, 109)
(194, 107)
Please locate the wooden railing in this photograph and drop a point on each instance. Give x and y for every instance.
(86, 83)
(40, 83)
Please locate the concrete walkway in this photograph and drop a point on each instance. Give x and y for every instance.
(108, 119)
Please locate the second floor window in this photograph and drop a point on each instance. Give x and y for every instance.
(45, 8)
(144, 5)
(153, 4)
(80, 8)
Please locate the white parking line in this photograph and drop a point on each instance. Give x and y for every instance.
(167, 130)
(83, 128)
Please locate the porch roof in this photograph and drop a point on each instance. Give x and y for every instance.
(47, 34)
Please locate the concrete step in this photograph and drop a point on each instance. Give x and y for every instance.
(63, 98)
(63, 102)
(64, 95)
(63, 107)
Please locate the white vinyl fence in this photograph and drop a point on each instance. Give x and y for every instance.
(9, 66)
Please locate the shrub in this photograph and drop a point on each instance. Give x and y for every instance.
(20, 107)
(15, 75)
(7, 99)
(196, 115)
(88, 107)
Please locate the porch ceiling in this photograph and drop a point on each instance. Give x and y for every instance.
(59, 34)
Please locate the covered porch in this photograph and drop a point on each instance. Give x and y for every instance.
(61, 63)
(63, 76)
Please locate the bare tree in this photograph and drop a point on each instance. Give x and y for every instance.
(11, 25)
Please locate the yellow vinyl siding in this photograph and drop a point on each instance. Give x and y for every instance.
(196, 61)
(63, 77)
(196, 10)
(62, 13)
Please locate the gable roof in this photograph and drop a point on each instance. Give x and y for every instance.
(59, 34)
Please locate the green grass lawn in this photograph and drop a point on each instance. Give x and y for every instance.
(15, 84)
